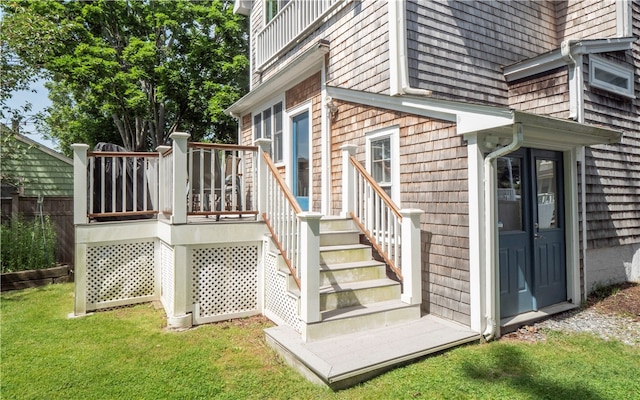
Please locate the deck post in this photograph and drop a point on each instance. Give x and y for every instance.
(161, 178)
(348, 181)
(179, 215)
(411, 256)
(264, 145)
(309, 266)
(80, 183)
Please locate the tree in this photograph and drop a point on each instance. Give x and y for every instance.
(148, 67)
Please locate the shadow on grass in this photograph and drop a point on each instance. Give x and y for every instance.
(508, 364)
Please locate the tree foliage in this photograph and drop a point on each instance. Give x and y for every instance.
(142, 69)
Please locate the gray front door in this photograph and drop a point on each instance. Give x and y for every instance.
(532, 263)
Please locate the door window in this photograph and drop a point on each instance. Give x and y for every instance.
(509, 194)
(546, 193)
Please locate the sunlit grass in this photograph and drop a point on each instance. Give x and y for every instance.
(128, 354)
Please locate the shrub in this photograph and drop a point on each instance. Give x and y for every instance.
(27, 244)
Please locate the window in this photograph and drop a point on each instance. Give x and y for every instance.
(267, 124)
(383, 161)
(271, 8)
(611, 77)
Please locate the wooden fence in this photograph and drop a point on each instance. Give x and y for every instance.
(60, 212)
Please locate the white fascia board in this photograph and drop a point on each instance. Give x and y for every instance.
(242, 7)
(533, 66)
(288, 76)
(423, 107)
(554, 59)
(594, 46)
(468, 117)
(554, 133)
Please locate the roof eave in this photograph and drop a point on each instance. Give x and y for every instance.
(308, 60)
(554, 59)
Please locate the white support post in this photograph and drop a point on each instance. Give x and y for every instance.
(182, 317)
(80, 280)
(263, 145)
(80, 183)
(179, 215)
(348, 183)
(411, 256)
(309, 266)
(161, 178)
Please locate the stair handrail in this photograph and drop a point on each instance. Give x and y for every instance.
(377, 216)
(281, 217)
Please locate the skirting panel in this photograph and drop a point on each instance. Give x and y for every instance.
(224, 282)
(120, 274)
(280, 305)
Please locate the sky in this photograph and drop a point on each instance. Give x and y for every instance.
(39, 101)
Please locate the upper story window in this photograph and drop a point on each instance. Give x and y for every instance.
(612, 77)
(271, 8)
(267, 124)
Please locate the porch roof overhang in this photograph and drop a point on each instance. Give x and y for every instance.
(285, 78)
(563, 56)
(539, 130)
(546, 132)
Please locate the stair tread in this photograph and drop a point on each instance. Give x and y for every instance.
(363, 309)
(337, 231)
(344, 247)
(348, 265)
(373, 283)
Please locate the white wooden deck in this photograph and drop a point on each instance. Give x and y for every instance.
(344, 361)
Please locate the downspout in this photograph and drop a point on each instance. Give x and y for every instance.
(398, 53)
(576, 112)
(490, 228)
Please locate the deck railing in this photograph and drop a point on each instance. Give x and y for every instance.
(178, 181)
(122, 184)
(217, 179)
(288, 26)
(394, 233)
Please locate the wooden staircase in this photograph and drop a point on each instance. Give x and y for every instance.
(355, 293)
(364, 329)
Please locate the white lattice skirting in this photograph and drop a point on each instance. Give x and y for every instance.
(119, 274)
(280, 306)
(224, 282)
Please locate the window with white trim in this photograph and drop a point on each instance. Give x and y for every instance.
(612, 77)
(267, 124)
(383, 161)
(271, 8)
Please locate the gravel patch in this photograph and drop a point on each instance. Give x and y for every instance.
(606, 326)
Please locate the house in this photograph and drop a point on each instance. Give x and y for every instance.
(40, 180)
(416, 175)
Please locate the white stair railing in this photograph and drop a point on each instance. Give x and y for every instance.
(295, 233)
(394, 233)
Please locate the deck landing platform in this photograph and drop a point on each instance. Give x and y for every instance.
(347, 360)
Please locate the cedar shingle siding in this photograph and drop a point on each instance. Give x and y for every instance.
(457, 50)
(433, 178)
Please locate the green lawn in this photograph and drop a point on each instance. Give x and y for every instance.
(126, 354)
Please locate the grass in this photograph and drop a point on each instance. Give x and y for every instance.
(126, 353)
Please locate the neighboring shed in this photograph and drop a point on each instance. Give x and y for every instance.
(44, 171)
(44, 175)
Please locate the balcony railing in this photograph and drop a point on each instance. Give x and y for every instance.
(292, 23)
